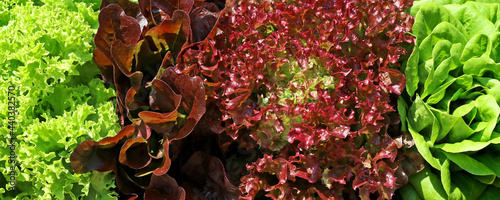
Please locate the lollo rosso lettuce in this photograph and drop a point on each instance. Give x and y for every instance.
(46, 53)
(312, 84)
(452, 107)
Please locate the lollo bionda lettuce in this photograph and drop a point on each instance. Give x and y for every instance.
(46, 55)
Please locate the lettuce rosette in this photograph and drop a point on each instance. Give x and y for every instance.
(452, 104)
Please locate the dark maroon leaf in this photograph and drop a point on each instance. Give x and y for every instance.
(137, 95)
(208, 172)
(193, 99)
(172, 34)
(101, 156)
(165, 158)
(202, 21)
(123, 55)
(114, 24)
(131, 9)
(144, 131)
(127, 185)
(135, 153)
(163, 97)
(164, 187)
(170, 6)
(168, 61)
(127, 88)
(160, 122)
(146, 59)
(105, 66)
(393, 80)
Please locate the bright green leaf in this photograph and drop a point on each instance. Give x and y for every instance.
(463, 146)
(469, 164)
(428, 185)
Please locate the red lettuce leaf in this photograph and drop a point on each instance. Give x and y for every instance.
(164, 187)
(102, 155)
(123, 55)
(193, 99)
(165, 99)
(203, 19)
(105, 66)
(172, 34)
(135, 153)
(170, 6)
(166, 161)
(114, 24)
(208, 172)
(160, 110)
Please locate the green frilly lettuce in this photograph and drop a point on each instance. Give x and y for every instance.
(46, 53)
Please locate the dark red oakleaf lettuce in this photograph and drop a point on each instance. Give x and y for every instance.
(172, 34)
(135, 153)
(102, 155)
(193, 102)
(129, 43)
(114, 24)
(136, 48)
(164, 187)
(207, 173)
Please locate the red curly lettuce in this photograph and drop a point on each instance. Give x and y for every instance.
(314, 84)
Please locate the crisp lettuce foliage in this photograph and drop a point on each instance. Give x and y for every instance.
(452, 107)
(312, 85)
(46, 52)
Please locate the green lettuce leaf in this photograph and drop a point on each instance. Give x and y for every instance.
(46, 53)
(452, 109)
